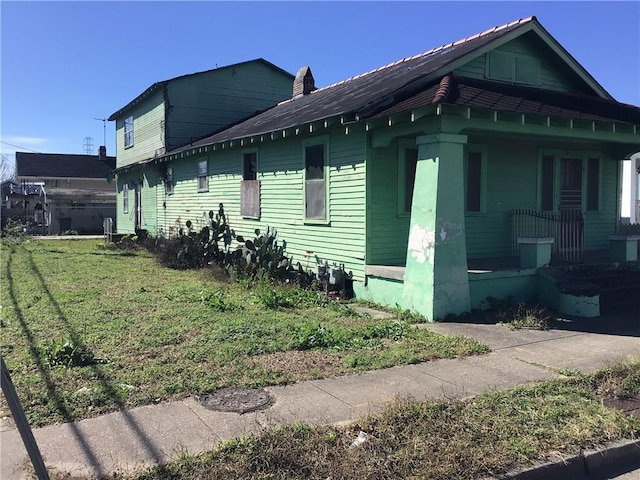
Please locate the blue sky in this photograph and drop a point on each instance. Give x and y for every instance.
(63, 64)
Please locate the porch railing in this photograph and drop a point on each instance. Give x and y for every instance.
(565, 227)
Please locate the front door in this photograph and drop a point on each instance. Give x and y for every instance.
(571, 224)
(138, 206)
(571, 184)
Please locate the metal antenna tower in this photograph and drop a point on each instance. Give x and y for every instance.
(88, 145)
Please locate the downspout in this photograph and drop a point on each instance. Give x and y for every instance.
(635, 187)
(45, 211)
(165, 93)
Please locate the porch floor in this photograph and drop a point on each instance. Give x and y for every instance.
(488, 265)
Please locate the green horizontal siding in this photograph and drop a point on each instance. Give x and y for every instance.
(599, 225)
(204, 103)
(512, 171)
(554, 73)
(125, 222)
(388, 232)
(148, 134)
(280, 171)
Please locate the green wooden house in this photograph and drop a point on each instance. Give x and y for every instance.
(435, 182)
(174, 113)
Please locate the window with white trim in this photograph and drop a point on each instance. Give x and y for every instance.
(203, 176)
(128, 131)
(125, 198)
(315, 181)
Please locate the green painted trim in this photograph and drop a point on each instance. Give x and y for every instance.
(558, 155)
(383, 291)
(570, 61)
(491, 57)
(519, 284)
(309, 142)
(461, 124)
(586, 183)
(368, 158)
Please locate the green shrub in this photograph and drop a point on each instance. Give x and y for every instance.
(14, 229)
(67, 354)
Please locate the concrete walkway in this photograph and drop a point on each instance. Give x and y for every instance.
(144, 436)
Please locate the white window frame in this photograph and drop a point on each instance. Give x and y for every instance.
(168, 180)
(125, 198)
(203, 176)
(128, 132)
(312, 142)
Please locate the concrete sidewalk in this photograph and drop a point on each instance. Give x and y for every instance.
(144, 436)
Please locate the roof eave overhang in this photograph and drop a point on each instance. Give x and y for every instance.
(532, 25)
(462, 119)
(140, 98)
(386, 128)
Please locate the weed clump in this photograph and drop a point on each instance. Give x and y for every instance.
(521, 315)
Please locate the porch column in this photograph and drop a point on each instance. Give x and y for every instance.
(436, 282)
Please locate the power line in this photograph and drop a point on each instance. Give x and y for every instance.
(18, 146)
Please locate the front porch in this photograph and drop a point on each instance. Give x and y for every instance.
(583, 289)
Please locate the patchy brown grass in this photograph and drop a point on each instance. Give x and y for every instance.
(303, 365)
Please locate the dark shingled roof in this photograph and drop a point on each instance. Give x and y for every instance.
(60, 165)
(425, 79)
(362, 93)
(161, 84)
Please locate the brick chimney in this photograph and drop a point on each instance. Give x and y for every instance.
(102, 152)
(304, 83)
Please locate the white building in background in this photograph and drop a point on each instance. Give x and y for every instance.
(630, 202)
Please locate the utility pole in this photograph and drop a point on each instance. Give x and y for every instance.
(104, 130)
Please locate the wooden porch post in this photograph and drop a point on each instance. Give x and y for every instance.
(436, 282)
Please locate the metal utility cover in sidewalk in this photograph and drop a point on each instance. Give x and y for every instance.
(231, 399)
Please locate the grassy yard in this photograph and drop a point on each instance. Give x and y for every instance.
(86, 330)
(481, 437)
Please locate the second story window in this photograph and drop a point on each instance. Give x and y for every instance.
(128, 131)
(203, 176)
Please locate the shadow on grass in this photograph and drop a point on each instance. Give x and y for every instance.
(53, 393)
